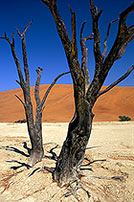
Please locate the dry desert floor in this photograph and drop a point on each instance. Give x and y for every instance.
(109, 155)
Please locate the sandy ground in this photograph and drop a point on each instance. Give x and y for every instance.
(110, 152)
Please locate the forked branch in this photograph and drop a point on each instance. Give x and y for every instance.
(116, 82)
(25, 29)
(26, 70)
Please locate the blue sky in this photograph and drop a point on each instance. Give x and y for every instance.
(44, 48)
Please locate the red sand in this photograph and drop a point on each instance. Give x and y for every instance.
(60, 106)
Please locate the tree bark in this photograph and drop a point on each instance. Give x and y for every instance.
(79, 130)
(35, 134)
(73, 149)
(34, 127)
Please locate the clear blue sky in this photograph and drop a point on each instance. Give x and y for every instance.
(44, 48)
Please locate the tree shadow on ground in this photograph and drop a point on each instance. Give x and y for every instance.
(21, 164)
(25, 165)
(14, 149)
(52, 157)
(53, 154)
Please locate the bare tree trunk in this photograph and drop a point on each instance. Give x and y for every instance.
(73, 149)
(35, 134)
(34, 127)
(79, 130)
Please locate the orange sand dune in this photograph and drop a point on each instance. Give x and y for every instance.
(60, 106)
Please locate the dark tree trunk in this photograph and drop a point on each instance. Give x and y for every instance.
(35, 134)
(34, 127)
(73, 149)
(79, 130)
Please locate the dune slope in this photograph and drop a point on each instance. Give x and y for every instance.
(60, 104)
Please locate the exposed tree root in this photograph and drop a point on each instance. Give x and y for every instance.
(80, 185)
(73, 190)
(75, 183)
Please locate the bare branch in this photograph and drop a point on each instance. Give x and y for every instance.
(99, 13)
(43, 108)
(102, 66)
(95, 17)
(22, 85)
(26, 70)
(89, 37)
(36, 92)
(74, 42)
(25, 29)
(18, 32)
(123, 48)
(116, 82)
(20, 100)
(105, 42)
(12, 45)
(52, 5)
(73, 62)
(84, 57)
(6, 38)
(131, 29)
(81, 32)
(47, 2)
(83, 48)
(13, 39)
(18, 83)
(50, 87)
(124, 15)
(124, 36)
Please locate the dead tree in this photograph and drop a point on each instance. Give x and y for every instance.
(85, 94)
(34, 126)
